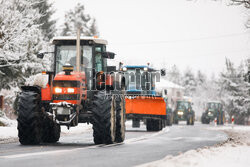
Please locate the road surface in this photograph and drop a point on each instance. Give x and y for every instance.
(140, 147)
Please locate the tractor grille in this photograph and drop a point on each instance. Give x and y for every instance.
(66, 83)
(66, 97)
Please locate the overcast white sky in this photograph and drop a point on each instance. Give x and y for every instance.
(198, 34)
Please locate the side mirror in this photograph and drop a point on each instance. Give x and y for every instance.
(111, 68)
(163, 72)
(40, 55)
(108, 55)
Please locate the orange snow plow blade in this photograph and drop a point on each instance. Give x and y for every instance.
(146, 105)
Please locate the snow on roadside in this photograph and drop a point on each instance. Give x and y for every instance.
(232, 128)
(235, 152)
(7, 132)
(216, 157)
(8, 122)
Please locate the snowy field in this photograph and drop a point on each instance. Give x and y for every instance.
(233, 153)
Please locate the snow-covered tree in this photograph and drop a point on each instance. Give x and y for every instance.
(189, 82)
(20, 40)
(47, 24)
(77, 18)
(246, 3)
(235, 92)
(174, 75)
(207, 89)
(200, 78)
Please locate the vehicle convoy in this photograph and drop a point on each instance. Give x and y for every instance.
(184, 112)
(142, 102)
(214, 110)
(80, 89)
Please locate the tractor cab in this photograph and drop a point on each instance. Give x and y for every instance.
(141, 79)
(93, 56)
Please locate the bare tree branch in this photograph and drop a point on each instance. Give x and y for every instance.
(246, 3)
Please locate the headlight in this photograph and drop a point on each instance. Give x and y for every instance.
(58, 90)
(124, 69)
(70, 90)
(180, 113)
(145, 68)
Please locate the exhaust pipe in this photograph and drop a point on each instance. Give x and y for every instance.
(78, 51)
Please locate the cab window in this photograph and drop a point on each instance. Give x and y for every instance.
(98, 59)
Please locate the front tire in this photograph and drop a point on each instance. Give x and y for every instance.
(120, 119)
(29, 118)
(104, 118)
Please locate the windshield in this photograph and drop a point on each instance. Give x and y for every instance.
(67, 54)
(213, 105)
(138, 80)
(182, 105)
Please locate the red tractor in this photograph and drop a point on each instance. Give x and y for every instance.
(80, 89)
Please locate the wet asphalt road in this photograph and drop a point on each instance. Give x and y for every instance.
(140, 147)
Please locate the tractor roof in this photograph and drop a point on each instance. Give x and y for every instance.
(73, 38)
(184, 100)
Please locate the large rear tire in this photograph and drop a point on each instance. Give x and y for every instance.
(120, 119)
(154, 125)
(104, 118)
(176, 121)
(192, 123)
(203, 119)
(169, 121)
(190, 119)
(29, 118)
(135, 123)
(149, 125)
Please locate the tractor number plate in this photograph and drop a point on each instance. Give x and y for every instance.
(63, 111)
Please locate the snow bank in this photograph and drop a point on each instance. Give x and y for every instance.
(233, 153)
(216, 157)
(8, 132)
(234, 128)
(6, 121)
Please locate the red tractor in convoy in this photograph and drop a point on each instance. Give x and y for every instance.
(80, 89)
